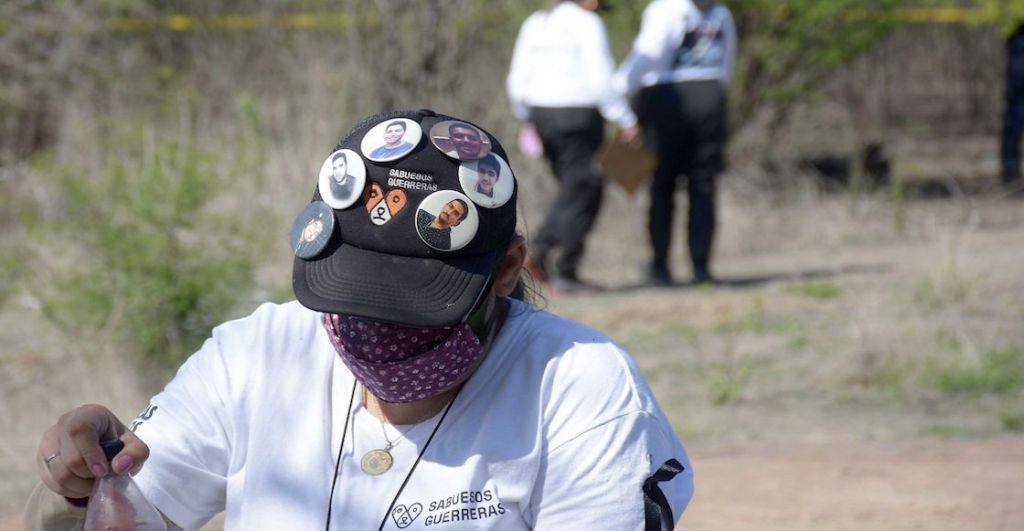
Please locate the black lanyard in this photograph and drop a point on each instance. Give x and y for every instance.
(341, 451)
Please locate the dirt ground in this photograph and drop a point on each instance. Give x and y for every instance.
(950, 486)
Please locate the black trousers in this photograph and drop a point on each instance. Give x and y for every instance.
(686, 125)
(571, 137)
(1013, 119)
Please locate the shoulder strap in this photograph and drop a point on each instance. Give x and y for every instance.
(656, 508)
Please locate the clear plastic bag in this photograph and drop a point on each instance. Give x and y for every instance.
(117, 504)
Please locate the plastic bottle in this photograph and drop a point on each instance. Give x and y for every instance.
(117, 504)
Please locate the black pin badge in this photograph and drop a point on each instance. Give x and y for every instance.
(312, 229)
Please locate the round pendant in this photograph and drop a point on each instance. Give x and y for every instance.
(376, 462)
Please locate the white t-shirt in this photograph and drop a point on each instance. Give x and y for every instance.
(557, 429)
(678, 42)
(561, 59)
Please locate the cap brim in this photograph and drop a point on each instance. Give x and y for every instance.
(411, 291)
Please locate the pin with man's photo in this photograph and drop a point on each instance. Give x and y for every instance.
(446, 220)
(391, 139)
(488, 182)
(460, 140)
(342, 177)
(312, 229)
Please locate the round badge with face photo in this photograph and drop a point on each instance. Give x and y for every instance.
(312, 229)
(488, 182)
(342, 177)
(460, 140)
(391, 139)
(446, 220)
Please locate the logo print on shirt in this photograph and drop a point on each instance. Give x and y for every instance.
(143, 417)
(464, 506)
(704, 46)
(383, 207)
(404, 516)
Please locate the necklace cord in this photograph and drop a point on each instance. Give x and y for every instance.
(388, 443)
(341, 450)
(418, 457)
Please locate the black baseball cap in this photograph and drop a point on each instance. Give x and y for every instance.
(404, 231)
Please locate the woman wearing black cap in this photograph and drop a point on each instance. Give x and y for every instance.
(405, 389)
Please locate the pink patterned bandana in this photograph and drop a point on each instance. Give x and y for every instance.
(402, 364)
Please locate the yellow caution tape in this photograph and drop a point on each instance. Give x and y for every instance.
(220, 22)
(313, 20)
(925, 15)
(943, 15)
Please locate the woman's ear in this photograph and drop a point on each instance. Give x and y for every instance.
(511, 267)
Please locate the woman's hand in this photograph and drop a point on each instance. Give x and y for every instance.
(69, 455)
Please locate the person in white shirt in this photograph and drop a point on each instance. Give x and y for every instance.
(560, 81)
(407, 388)
(678, 76)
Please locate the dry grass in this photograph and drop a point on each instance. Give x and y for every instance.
(830, 325)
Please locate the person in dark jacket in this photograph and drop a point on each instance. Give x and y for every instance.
(1013, 118)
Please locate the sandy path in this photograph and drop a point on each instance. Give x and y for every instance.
(955, 486)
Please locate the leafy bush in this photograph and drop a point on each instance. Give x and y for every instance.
(999, 372)
(726, 380)
(11, 265)
(149, 249)
(816, 290)
(1012, 421)
(11, 269)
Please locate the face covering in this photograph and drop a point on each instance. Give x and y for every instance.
(402, 364)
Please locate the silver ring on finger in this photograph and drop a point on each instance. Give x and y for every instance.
(51, 457)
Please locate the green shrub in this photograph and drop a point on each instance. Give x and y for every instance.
(816, 290)
(998, 372)
(11, 269)
(151, 250)
(12, 264)
(1012, 421)
(726, 381)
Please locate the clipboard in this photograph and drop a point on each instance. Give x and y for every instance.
(628, 165)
